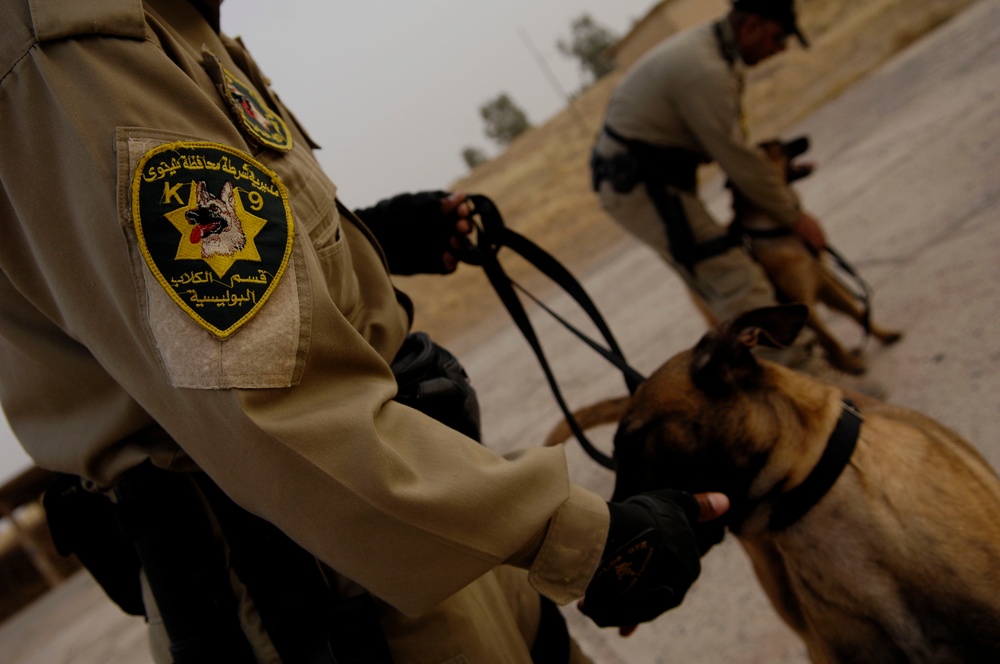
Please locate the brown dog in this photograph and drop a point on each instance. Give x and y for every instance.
(795, 272)
(894, 557)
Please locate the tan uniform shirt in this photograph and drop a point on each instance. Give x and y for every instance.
(123, 127)
(685, 94)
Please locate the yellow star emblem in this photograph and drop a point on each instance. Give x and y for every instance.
(220, 264)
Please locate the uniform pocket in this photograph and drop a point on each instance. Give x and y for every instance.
(328, 240)
(320, 224)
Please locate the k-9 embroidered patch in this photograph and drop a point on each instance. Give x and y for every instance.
(258, 120)
(215, 228)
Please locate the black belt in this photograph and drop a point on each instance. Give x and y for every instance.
(676, 167)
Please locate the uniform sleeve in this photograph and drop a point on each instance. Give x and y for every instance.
(407, 508)
(710, 107)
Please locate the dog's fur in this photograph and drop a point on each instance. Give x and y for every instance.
(898, 562)
(797, 274)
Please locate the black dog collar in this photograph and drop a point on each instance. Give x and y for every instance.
(793, 505)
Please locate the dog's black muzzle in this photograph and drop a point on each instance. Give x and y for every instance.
(210, 222)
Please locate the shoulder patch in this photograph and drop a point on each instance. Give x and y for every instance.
(263, 125)
(215, 228)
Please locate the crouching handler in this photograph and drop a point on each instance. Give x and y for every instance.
(680, 107)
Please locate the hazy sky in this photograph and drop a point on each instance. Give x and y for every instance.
(391, 88)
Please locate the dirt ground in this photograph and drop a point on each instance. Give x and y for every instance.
(908, 187)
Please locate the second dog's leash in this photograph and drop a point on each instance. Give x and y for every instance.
(865, 294)
(492, 235)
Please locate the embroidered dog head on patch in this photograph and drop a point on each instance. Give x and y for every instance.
(214, 222)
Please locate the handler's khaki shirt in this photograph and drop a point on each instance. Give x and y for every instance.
(120, 332)
(685, 94)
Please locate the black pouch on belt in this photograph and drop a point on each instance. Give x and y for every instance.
(623, 170)
(432, 380)
(83, 524)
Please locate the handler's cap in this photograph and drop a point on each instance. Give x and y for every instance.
(781, 11)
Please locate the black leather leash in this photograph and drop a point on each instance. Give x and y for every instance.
(491, 236)
(865, 296)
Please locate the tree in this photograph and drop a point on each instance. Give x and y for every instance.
(473, 157)
(504, 120)
(589, 44)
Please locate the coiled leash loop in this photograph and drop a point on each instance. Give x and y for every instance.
(491, 235)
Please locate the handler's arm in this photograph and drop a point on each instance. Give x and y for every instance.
(94, 354)
(709, 107)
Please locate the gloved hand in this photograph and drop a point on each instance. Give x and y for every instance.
(650, 559)
(419, 231)
(808, 229)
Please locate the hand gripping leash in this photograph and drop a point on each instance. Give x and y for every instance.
(491, 236)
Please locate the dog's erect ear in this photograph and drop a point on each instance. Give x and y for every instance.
(775, 327)
(227, 193)
(795, 147)
(792, 150)
(722, 361)
(201, 192)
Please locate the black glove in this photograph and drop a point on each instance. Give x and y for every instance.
(650, 560)
(413, 231)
